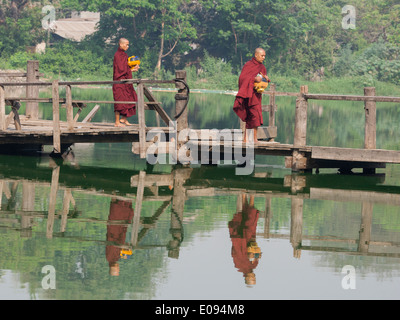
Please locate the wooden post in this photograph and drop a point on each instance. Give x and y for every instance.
(365, 227)
(68, 105)
(178, 205)
(2, 109)
(2, 182)
(299, 162)
(181, 112)
(300, 124)
(28, 204)
(142, 121)
(52, 201)
(32, 108)
(15, 108)
(267, 216)
(370, 120)
(180, 101)
(370, 125)
(138, 208)
(272, 106)
(66, 202)
(296, 226)
(56, 118)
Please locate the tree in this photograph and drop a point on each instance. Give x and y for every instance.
(155, 26)
(20, 25)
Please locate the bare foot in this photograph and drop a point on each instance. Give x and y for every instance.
(125, 122)
(120, 124)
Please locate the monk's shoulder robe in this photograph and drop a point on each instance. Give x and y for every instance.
(248, 102)
(121, 91)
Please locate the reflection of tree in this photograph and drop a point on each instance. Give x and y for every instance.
(242, 229)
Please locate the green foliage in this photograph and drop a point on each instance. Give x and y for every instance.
(19, 27)
(66, 61)
(212, 39)
(380, 61)
(217, 74)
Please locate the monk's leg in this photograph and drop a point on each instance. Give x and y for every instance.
(255, 135)
(250, 135)
(117, 121)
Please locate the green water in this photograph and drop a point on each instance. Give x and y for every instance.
(69, 215)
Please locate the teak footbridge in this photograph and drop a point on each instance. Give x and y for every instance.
(197, 145)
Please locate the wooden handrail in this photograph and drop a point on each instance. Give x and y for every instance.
(78, 83)
(351, 97)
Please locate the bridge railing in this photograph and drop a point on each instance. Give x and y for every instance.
(32, 98)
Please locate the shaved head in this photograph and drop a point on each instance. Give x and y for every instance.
(123, 44)
(259, 50)
(259, 54)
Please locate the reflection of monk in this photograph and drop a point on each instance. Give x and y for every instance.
(121, 212)
(242, 230)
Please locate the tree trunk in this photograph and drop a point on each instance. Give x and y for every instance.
(160, 54)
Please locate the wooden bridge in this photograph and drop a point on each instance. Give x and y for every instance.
(21, 131)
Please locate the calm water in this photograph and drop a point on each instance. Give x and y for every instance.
(69, 230)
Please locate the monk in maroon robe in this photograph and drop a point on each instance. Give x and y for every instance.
(242, 231)
(120, 211)
(248, 101)
(122, 91)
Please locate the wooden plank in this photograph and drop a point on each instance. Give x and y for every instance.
(341, 195)
(282, 94)
(267, 133)
(13, 74)
(91, 114)
(157, 180)
(157, 106)
(351, 98)
(361, 155)
(78, 114)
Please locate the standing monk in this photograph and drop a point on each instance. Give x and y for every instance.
(122, 91)
(248, 101)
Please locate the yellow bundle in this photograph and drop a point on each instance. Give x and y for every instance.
(261, 86)
(133, 62)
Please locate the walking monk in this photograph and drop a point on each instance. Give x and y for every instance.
(122, 91)
(248, 101)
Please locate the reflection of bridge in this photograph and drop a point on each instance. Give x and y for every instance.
(174, 188)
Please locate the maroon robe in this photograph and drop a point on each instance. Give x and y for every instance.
(121, 91)
(248, 102)
(116, 233)
(242, 229)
